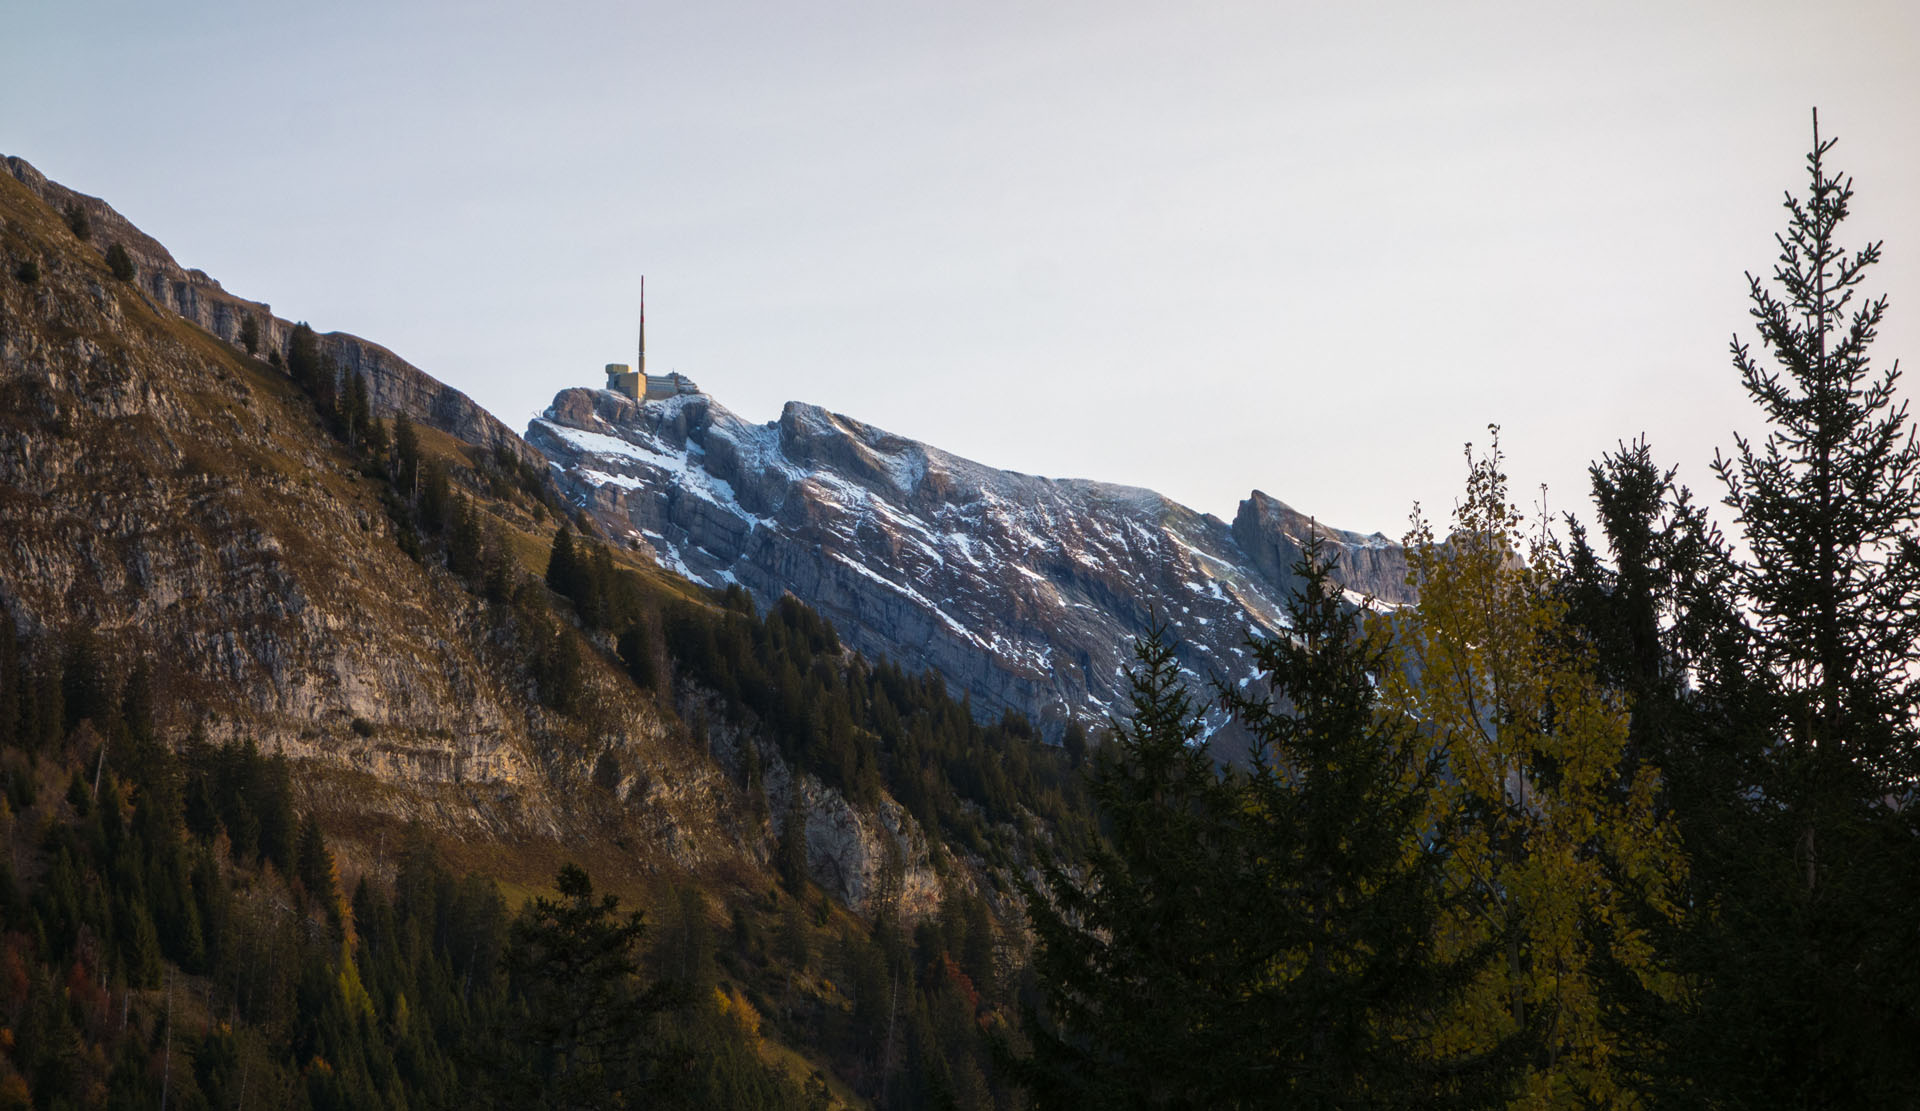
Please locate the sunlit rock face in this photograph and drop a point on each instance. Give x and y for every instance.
(1024, 592)
(181, 506)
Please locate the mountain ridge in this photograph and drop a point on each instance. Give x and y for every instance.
(1023, 591)
(393, 384)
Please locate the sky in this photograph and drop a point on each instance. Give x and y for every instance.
(1313, 249)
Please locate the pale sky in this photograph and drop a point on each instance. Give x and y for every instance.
(1309, 248)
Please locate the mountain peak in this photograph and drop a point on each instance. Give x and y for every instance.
(1025, 592)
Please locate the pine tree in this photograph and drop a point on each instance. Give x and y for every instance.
(1809, 985)
(250, 333)
(572, 962)
(1350, 877)
(1139, 962)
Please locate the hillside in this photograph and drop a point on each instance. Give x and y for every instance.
(313, 552)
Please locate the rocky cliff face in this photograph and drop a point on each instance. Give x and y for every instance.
(182, 504)
(393, 384)
(1024, 592)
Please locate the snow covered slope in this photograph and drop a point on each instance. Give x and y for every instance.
(1024, 592)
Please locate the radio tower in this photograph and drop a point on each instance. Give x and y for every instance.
(643, 331)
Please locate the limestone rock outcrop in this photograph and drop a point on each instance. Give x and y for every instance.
(393, 384)
(1024, 592)
(182, 505)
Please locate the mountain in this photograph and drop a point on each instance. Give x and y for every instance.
(185, 505)
(240, 598)
(393, 384)
(1024, 592)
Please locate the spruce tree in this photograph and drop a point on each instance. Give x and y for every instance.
(406, 457)
(1350, 877)
(790, 852)
(1658, 610)
(563, 565)
(1809, 985)
(78, 222)
(1139, 961)
(572, 964)
(120, 263)
(1829, 505)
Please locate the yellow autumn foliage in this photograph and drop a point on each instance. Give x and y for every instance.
(1544, 824)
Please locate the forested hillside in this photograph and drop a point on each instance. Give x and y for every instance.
(308, 707)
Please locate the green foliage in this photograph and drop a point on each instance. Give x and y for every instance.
(1782, 675)
(506, 473)
(1152, 919)
(790, 851)
(78, 223)
(685, 950)
(250, 333)
(573, 964)
(563, 571)
(1348, 888)
(1554, 836)
(86, 690)
(406, 457)
(27, 272)
(120, 263)
(1282, 919)
(859, 726)
(235, 790)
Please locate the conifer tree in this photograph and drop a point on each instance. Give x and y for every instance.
(563, 565)
(790, 852)
(356, 411)
(12, 679)
(1349, 877)
(1809, 985)
(120, 263)
(1829, 505)
(1139, 961)
(572, 961)
(78, 222)
(406, 457)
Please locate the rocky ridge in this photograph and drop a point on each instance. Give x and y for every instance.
(182, 504)
(1024, 592)
(393, 384)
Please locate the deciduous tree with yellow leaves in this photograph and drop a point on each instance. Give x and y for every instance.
(1547, 830)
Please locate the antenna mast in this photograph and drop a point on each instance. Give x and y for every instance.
(643, 327)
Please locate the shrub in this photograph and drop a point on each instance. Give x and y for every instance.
(120, 262)
(77, 220)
